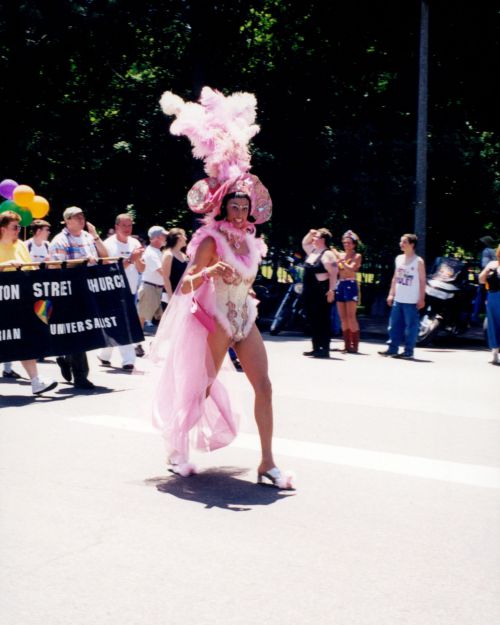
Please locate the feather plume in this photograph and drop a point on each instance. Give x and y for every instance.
(219, 128)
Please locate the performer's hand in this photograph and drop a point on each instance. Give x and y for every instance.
(221, 269)
(330, 296)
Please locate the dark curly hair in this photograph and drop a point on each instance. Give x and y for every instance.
(229, 196)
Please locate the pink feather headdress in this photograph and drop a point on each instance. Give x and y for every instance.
(220, 129)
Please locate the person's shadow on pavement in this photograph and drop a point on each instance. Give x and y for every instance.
(220, 488)
(11, 401)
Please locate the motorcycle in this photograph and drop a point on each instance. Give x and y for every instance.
(290, 314)
(449, 298)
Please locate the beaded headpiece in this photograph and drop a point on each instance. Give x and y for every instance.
(220, 129)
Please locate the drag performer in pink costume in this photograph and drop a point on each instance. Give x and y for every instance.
(191, 405)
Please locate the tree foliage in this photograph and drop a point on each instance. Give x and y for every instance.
(336, 85)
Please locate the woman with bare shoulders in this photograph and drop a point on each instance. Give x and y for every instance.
(349, 261)
(174, 260)
(214, 307)
(490, 276)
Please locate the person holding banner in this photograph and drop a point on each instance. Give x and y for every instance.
(122, 244)
(74, 243)
(38, 245)
(13, 254)
(214, 306)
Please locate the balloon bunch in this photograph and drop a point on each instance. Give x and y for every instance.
(22, 200)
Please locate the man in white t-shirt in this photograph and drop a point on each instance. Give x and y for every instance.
(406, 297)
(152, 279)
(123, 244)
(73, 243)
(38, 246)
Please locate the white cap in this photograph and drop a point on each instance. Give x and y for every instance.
(71, 212)
(156, 231)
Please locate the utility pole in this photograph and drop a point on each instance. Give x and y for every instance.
(421, 169)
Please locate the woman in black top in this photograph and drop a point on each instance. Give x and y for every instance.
(320, 279)
(174, 260)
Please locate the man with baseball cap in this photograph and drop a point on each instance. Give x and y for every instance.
(38, 245)
(73, 243)
(152, 278)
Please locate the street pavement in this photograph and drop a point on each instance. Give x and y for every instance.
(395, 520)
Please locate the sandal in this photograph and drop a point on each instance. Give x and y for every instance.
(185, 469)
(274, 477)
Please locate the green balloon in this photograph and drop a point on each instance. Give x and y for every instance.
(8, 205)
(26, 216)
(24, 213)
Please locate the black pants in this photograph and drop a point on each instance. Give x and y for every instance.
(318, 312)
(79, 365)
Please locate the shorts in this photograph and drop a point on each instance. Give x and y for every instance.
(346, 291)
(149, 301)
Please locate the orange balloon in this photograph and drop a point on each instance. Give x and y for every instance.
(23, 195)
(39, 207)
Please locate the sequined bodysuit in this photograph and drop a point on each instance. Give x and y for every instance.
(235, 308)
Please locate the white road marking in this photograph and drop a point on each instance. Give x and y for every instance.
(414, 466)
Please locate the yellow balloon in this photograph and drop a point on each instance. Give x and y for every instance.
(23, 195)
(39, 207)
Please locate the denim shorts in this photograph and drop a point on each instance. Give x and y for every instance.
(346, 291)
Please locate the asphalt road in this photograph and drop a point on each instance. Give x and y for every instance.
(396, 519)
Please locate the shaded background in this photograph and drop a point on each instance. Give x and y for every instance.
(336, 88)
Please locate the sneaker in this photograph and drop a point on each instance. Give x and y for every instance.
(128, 367)
(404, 356)
(86, 385)
(139, 351)
(13, 375)
(388, 353)
(40, 385)
(104, 363)
(311, 353)
(65, 368)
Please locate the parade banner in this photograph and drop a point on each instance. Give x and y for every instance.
(51, 312)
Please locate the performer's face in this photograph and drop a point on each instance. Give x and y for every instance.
(237, 211)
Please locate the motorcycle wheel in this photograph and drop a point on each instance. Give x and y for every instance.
(428, 329)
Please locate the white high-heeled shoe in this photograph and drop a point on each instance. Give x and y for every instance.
(274, 477)
(184, 469)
